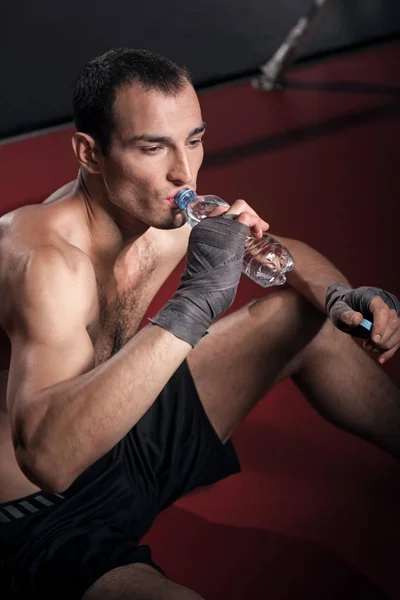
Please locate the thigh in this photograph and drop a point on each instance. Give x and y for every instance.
(178, 443)
(61, 548)
(137, 582)
(247, 352)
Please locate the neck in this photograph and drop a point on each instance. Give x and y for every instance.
(103, 217)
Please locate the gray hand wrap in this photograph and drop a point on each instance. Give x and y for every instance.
(209, 283)
(340, 298)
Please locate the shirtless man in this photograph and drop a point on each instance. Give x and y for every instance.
(102, 425)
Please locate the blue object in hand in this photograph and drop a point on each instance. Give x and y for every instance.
(363, 329)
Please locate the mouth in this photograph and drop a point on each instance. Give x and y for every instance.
(171, 199)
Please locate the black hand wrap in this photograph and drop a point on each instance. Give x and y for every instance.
(209, 283)
(340, 298)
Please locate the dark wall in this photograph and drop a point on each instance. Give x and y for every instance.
(43, 43)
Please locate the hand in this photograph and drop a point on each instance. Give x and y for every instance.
(208, 285)
(243, 213)
(346, 308)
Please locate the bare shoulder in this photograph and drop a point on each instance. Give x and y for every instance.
(23, 237)
(35, 262)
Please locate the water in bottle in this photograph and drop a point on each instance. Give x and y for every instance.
(265, 260)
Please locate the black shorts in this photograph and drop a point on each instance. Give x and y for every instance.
(59, 544)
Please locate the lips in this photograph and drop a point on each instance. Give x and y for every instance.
(170, 199)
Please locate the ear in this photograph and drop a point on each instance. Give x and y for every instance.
(86, 152)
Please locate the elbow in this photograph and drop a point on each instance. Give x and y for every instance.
(41, 470)
(38, 458)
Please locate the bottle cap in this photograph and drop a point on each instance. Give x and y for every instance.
(184, 197)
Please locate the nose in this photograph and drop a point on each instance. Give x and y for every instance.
(180, 170)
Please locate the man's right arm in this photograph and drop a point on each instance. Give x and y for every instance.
(64, 413)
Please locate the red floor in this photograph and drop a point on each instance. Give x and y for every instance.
(315, 512)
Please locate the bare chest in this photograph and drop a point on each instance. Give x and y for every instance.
(121, 311)
(123, 300)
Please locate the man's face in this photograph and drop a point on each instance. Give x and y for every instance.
(156, 149)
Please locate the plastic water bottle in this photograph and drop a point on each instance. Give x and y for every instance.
(265, 260)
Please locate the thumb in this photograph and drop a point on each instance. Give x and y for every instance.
(351, 318)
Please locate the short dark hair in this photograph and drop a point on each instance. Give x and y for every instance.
(95, 87)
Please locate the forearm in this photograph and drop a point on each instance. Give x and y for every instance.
(83, 418)
(312, 274)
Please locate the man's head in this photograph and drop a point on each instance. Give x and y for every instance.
(139, 129)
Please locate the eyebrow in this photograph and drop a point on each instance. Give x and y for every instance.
(161, 139)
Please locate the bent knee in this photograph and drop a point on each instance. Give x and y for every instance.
(138, 581)
(286, 305)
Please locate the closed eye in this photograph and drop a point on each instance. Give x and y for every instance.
(151, 149)
(194, 143)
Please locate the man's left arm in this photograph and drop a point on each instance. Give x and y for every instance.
(326, 288)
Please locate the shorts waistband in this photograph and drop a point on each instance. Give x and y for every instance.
(23, 507)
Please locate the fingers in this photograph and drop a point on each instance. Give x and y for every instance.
(256, 225)
(388, 355)
(384, 338)
(385, 333)
(246, 215)
(380, 312)
(386, 328)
